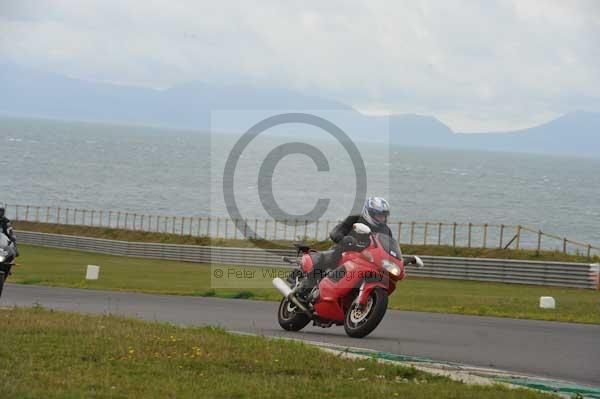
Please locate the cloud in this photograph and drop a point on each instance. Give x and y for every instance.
(476, 65)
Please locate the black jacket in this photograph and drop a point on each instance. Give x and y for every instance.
(343, 229)
(7, 229)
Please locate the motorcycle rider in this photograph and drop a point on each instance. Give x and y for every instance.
(6, 227)
(375, 213)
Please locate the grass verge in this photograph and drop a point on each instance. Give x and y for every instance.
(434, 250)
(66, 268)
(65, 355)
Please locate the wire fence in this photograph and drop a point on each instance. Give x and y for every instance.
(415, 233)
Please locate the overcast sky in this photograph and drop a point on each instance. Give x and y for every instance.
(476, 65)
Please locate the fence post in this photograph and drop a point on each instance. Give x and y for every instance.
(501, 235)
(274, 229)
(37, 214)
(218, 227)
(126, 217)
(92, 221)
(469, 238)
(565, 245)
(454, 234)
(485, 227)
(101, 218)
(439, 234)
(110, 218)
(589, 250)
(255, 228)
(208, 222)
(285, 223)
(305, 229)
(16, 212)
(235, 225)
(83, 219)
(142, 222)
(191, 224)
(425, 233)
(182, 225)
(173, 225)
(27, 213)
(295, 229)
(412, 232)
(539, 241)
(399, 231)
(317, 230)
(47, 214)
(58, 216)
(245, 229)
(266, 227)
(518, 237)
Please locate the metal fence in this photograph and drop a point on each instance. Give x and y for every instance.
(418, 233)
(579, 275)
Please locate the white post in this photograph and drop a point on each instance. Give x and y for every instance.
(92, 273)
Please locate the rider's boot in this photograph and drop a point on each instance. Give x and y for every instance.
(304, 289)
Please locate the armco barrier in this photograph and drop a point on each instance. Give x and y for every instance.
(579, 275)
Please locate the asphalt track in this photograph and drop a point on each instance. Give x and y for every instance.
(569, 352)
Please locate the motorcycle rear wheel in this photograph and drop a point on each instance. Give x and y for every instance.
(359, 323)
(289, 319)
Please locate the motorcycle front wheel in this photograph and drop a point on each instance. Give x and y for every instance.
(1, 282)
(360, 322)
(289, 319)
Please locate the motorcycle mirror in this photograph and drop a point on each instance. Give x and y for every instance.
(361, 228)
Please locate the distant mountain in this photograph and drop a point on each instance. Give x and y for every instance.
(576, 133)
(31, 93)
(26, 92)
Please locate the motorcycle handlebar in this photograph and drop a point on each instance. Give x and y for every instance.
(292, 261)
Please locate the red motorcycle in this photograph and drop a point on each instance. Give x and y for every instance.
(354, 294)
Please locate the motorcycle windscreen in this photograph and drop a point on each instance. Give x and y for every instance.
(4, 241)
(390, 245)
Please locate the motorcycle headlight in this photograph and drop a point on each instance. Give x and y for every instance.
(2, 259)
(391, 268)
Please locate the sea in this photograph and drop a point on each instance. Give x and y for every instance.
(174, 172)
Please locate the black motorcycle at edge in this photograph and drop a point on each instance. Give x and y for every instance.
(8, 254)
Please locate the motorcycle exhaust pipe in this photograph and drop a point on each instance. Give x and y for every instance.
(287, 292)
(282, 287)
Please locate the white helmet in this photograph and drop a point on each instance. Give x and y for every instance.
(376, 211)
